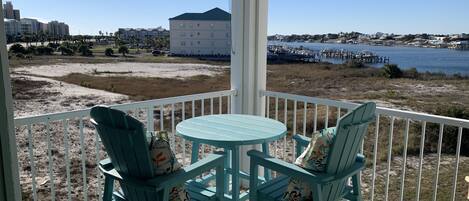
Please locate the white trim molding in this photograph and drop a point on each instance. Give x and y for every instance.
(9, 176)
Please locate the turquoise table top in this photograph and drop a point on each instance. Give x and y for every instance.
(231, 129)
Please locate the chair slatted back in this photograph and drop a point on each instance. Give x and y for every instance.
(350, 132)
(125, 142)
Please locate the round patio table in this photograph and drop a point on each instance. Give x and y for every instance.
(230, 131)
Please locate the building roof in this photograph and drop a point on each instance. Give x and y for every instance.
(215, 14)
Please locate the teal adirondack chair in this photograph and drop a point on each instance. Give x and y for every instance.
(343, 163)
(129, 163)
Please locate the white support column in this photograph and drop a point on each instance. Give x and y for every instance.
(9, 178)
(248, 60)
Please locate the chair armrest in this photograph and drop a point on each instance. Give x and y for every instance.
(190, 172)
(178, 177)
(106, 167)
(300, 173)
(301, 140)
(283, 167)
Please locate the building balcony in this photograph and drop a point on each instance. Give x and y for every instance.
(410, 156)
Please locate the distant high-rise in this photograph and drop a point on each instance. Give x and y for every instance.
(9, 12)
(56, 28)
(15, 25)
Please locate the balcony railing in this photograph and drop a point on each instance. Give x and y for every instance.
(58, 152)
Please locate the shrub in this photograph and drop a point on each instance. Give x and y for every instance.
(109, 52)
(17, 48)
(450, 134)
(31, 50)
(355, 64)
(411, 73)
(123, 50)
(391, 71)
(85, 50)
(43, 50)
(66, 50)
(20, 55)
(53, 45)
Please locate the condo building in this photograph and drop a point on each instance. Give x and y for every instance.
(201, 34)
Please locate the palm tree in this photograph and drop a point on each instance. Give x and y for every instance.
(123, 50)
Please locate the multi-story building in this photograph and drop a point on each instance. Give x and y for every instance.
(207, 33)
(141, 34)
(58, 29)
(9, 12)
(12, 27)
(32, 26)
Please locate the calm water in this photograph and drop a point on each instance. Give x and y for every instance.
(424, 59)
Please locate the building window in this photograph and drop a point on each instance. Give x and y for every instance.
(212, 35)
(183, 43)
(227, 35)
(192, 44)
(198, 33)
(198, 25)
(211, 25)
(213, 43)
(198, 42)
(192, 35)
(181, 25)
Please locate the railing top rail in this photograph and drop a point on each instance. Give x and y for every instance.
(126, 106)
(418, 116)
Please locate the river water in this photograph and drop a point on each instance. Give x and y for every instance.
(424, 59)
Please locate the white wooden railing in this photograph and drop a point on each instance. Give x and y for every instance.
(61, 150)
(300, 110)
(47, 158)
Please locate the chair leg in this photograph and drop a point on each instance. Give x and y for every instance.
(220, 181)
(267, 172)
(108, 188)
(254, 171)
(317, 192)
(195, 152)
(356, 187)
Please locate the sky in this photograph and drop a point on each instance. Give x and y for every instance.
(285, 17)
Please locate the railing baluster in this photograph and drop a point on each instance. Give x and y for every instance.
(150, 119)
(67, 159)
(83, 159)
(404, 163)
(375, 156)
(285, 119)
(202, 110)
(202, 113)
(31, 161)
(422, 147)
(456, 167)
(276, 108)
(211, 106)
(391, 131)
(294, 129)
(98, 172)
(305, 112)
(161, 117)
(183, 109)
(228, 104)
(315, 118)
(338, 115)
(51, 160)
(193, 108)
(173, 130)
(437, 171)
(220, 103)
(326, 121)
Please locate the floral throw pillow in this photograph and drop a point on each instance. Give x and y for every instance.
(165, 162)
(313, 158)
